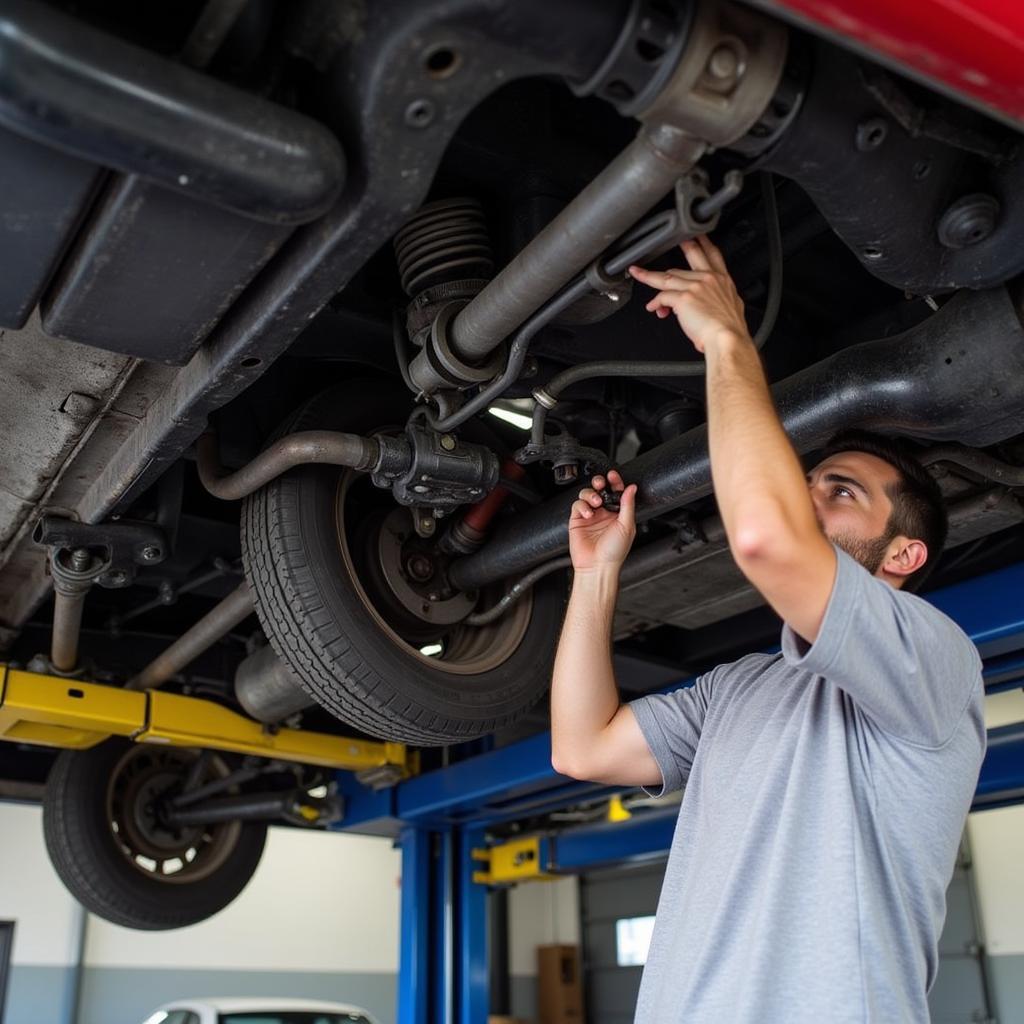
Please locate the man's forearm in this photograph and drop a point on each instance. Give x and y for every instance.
(758, 479)
(584, 697)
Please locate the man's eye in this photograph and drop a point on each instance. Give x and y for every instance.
(842, 491)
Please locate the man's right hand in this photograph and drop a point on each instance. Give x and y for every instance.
(599, 539)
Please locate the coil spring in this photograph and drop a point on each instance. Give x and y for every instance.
(444, 241)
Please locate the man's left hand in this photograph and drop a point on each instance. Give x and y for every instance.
(704, 298)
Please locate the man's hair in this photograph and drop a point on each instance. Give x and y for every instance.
(918, 508)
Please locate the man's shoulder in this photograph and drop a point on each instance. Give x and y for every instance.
(944, 628)
(746, 668)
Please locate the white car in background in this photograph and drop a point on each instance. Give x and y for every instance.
(258, 1011)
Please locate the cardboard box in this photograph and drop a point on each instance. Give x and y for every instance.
(505, 1020)
(559, 985)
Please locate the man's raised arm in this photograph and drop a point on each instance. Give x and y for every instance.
(759, 483)
(593, 736)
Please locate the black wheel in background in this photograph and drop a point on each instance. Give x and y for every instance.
(107, 843)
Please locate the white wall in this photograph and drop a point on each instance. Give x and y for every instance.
(318, 902)
(997, 847)
(540, 914)
(1004, 708)
(48, 919)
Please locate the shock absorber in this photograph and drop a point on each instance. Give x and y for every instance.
(444, 259)
(444, 255)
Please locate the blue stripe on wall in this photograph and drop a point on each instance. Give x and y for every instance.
(1006, 976)
(39, 995)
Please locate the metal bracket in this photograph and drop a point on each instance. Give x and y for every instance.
(699, 208)
(121, 547)
(566, 455)
(519, 860)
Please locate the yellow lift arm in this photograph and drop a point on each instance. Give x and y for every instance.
(57, 712)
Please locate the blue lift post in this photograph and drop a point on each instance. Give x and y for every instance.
(442, 816)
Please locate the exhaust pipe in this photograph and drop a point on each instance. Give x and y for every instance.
(958, 376)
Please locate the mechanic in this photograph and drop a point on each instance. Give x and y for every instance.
(826, 786)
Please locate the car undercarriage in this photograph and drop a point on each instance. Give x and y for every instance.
(314, 315)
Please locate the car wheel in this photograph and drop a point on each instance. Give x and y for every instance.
(326, 552)
(108, 844)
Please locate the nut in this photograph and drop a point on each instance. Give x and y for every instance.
(448, 442)
(724, 63)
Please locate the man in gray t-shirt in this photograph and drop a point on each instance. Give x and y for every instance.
(826, 786)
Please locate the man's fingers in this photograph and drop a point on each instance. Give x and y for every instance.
(668, 299)
(627, 506)
(597, 482)
(695, 255)
(666, 278)
(713, 254)
(581, 510)
(615, 479)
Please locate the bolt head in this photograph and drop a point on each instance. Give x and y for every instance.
(448, 442)
(420, 567)
(150, 553)
(724, 63)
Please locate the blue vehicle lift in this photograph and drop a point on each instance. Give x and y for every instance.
(442, 820)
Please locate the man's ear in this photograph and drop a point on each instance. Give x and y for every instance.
(905, 557)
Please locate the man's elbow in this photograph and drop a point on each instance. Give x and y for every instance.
(567, 766)
(765, 539)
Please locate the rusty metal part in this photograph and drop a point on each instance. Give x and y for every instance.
(74, 573)
(307, 446)
(216, 623)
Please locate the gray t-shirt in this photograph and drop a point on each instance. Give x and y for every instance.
(826, 792)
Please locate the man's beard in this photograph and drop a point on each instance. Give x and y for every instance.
(870, 553)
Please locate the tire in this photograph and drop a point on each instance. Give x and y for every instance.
(88, 839)
(300, 548)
